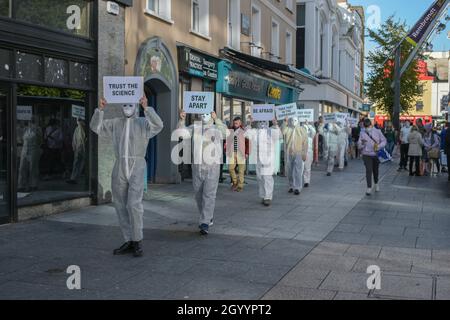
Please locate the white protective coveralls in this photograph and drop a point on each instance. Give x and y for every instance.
(79, 151)
(331, 137)
(29, 157)
(311, 133)
(296, 148)
(342, 144)
(130, 136)
(265, 138)
(205, 176)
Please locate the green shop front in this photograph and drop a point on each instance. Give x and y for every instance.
(241, 87)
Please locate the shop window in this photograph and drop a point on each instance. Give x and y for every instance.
(5, 8)
(80, 74)
(52, 144)
(29, 66)
(56, 71)
(5, 63)
(419, 106)
(71, 16)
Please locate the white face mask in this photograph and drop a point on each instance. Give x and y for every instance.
(206, 118)
(129, 110)
(294, 122)
(263, 125)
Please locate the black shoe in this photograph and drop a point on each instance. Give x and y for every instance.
(267, 202)
(297, 192)
(306, 185)
(204, 229)
(137, 249)
(328, 174)
(126, 248)
(291, 190)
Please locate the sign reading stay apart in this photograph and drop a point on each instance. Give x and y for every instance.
(78, 112)
(263, 112)
(305, 115)
(198, 102)
(123, 89)
(286, 111)
(24, 113)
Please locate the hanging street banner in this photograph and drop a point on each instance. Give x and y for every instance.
(263, 112)
(286, 111)
(123, 89)
(198, 102)
(421, 27)
(305, 115)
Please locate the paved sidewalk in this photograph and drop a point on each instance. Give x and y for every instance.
(314, 246)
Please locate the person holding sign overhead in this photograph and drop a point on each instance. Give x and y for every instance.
(130, 136)
(205, 168)
(296, 149)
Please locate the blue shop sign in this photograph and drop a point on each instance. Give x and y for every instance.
(238, 82)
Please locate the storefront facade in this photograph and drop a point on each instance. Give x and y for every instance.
(240, 88)
(48, 90)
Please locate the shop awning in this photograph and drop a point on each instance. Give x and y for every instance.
(268, 65)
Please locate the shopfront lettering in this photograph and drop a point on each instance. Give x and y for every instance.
(274, 92)
(244, 82)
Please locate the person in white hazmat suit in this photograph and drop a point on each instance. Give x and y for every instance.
(130, 136)
(296, 148)
(330, 131)
(29, 158)
(79, 151)
(206, 166)
(265, 138)
(311, 133)
(343, 144)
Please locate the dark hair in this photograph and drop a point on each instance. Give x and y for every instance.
(237, 119)
(367, 123)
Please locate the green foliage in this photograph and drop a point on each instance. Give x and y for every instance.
(35, 91)
(380, 78)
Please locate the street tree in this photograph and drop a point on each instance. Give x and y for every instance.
(381, 75)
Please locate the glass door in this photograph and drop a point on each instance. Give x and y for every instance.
(5, 207)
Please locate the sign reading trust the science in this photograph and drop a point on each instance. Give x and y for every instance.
(198, 102)
(123, 89)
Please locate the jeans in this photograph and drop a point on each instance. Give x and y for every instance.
(404, 155)
(390, 147)
(372, 165)
(415, 159)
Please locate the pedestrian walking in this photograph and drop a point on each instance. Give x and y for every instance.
(404, 145)
(370, 142)
(432, 144)
(390, 138)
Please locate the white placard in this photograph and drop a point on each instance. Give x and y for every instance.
(198, 102)
(341, 118)
(263, 112)
(305, 115)
(24, 113)
(286, 111)
(329, 117)
(353, 122)
(123, 89)
(78, 112)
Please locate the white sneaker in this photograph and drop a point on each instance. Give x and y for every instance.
(369, 191)
(377, 188)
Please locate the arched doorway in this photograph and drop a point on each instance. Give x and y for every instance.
(155, 63)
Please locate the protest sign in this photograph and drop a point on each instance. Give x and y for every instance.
(78, 112)
(123, 89)
(24, 113)
(341, 118)
(198, 102)
(305, 115)
(263, 112)
(286, 111)
(329, 117)
(353, 122)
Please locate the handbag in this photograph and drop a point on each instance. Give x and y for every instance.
(376, 147)
(434, 153)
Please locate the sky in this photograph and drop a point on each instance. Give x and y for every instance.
(408, 10)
